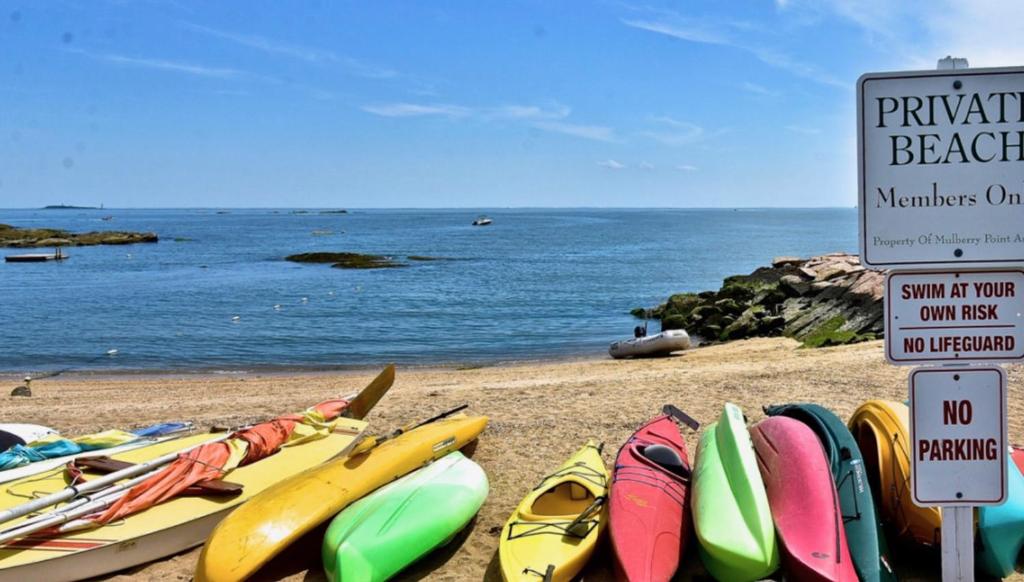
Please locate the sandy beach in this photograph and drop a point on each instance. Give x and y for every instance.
(540, 413)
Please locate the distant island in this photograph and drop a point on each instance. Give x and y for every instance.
(11, 236)
(69, 207)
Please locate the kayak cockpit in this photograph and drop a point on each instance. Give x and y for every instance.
(666, 458)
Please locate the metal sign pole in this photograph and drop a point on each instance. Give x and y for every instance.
(958, 544)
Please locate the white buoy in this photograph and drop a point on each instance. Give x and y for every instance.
(330, 293)
(305, 299)
(236, 319)
(277, 307)
(112, 352)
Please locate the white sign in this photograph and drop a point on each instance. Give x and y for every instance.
(958, 434)
(954, 316)
(941, 168)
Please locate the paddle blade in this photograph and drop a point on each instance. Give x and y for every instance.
(681, 416)
(364, 402)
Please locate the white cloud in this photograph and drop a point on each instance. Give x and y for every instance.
(646, 166)
(759, 89)
(551, 118)
(673, 132)
(528, 112)
(165, 65)
(612, 165)
(803, 130)
(591, 132)
(707, 32)
(417, 110)
(304, 53)
(686, 168)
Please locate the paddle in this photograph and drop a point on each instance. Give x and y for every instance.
(681, 416)
(372, 441)
(361, 405)
(363, 402)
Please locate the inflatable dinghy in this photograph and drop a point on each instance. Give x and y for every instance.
(660, 344)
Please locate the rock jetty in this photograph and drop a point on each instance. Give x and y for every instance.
(347, 260)
(11, 236)
(822, 301)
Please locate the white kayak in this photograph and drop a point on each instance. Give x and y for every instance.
(659, 344)
(21, 434)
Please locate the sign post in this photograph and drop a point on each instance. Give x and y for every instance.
(941, 203)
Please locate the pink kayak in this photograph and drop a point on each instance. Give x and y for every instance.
(649, 508)
(803, 500)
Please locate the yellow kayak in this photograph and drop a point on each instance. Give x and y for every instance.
(270, 522)
(162, 530)
(882, 433)
(553, 532)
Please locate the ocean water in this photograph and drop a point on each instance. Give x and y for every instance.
(535, 284)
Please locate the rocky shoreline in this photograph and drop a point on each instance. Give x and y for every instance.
(821, 301)
(12, 236)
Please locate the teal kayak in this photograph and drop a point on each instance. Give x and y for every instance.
(864, 534)
(382, 533)
(731, 515)
(1001, 529)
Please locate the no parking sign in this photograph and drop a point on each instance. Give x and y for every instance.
(958, 434)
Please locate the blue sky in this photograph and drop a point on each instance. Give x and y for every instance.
(448, 104)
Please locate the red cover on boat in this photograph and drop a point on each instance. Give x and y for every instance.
(803, 499)
(649, 506)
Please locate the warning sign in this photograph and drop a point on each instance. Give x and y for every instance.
(954, 316)
(958, 434)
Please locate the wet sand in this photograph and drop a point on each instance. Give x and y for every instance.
(540, 413)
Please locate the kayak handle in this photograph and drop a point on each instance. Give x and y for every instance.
(681, 416)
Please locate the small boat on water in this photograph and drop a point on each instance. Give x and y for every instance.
(482, 221)
(107, 218)
(659, 344)
(36, 257)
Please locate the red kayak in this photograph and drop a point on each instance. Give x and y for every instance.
(803, 500)
(649, 506)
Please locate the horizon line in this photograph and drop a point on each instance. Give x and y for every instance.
(363, 208)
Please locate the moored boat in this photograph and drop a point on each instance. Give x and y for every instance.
(482, 221)
(649, 504)
(731, 515)
(556, 527)
(659, 344)
(864, 534)
(803, 501)
(386, 531)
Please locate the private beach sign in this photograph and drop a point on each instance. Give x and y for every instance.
(941, 172)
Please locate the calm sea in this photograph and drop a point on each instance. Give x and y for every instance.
(535, 284)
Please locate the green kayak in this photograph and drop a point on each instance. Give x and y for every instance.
(382, 533)
(730, 507)
(863, 529)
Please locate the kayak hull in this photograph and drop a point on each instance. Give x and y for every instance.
(1001, 528)
(881, 430)
(803, 500)
(864, 535)
(271, 521)
(536, 541)
(379, 535)
(649, 506)
(731, 515)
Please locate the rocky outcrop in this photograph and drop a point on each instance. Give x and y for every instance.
(821, 301)
(11, 236)
(347, 260)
